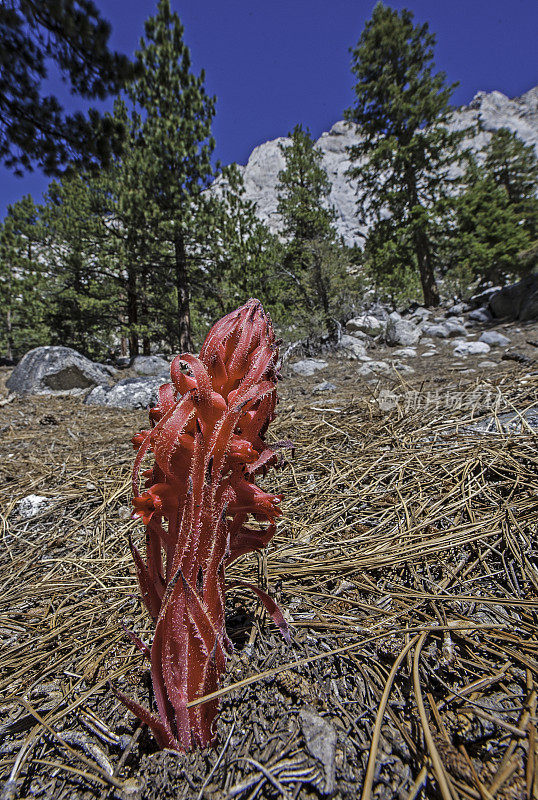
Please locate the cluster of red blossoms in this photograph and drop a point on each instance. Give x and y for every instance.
(207, 439)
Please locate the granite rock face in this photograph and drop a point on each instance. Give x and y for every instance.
(488, 111)
(49, 369)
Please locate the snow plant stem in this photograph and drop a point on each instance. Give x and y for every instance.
(207, 439)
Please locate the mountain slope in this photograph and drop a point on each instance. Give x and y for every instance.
(490, 111)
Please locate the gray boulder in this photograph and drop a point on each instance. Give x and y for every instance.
(352, 347)
(308, 366)
(457, 309)
(494, 339)
(405, 369)
(401, 332)
(517, 301)
(421, 313)
(368, 324)
(374, 368)
(439, 331)
(150, 365)
(455, 328)
(49, 369)
(406, 352)
(471, 349)
(128, 393)
(480, 315)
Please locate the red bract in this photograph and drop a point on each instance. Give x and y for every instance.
(208, 444)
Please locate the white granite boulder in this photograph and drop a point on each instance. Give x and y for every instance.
(368, 324)
(471, 349)
(52, 369)
(308, 366)
(494, 339)
(402, 332)
(129, 393)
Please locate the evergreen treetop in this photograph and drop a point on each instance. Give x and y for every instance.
(34, 128)
(303, 189)
(405, 150)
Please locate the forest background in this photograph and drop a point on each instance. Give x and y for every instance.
(132, 252)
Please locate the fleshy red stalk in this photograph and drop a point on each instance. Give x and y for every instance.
(208, 443)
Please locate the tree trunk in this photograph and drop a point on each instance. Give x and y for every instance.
(427, 278)
(9, 332)
(146, 344)
(183, 300)
(323, 295)
(9, 319)
(422, 247)
(132, 312)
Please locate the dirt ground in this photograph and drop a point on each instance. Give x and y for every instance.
(406, 563)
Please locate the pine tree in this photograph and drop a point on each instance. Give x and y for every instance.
(312, 260)
(303, 190)
(34, 128)
(230, 251)
(170, 149)
(24, 285)
(513, 165)
(489, 231)
(85, 280)
(405, 148)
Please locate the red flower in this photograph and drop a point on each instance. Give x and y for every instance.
(208, 442)
(161, 498)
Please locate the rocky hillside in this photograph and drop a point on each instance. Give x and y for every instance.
(488, 111)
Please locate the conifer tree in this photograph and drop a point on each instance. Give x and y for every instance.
(303, 190)
(231, 250)
(34, 128)
(406, 148)
(24, 286)
(84, 276)
(313, 260)
(489, 230)
(513, 165)
(170, 148)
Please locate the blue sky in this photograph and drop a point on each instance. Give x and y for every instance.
(275, 63)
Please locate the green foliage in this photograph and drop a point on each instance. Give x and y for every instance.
(513, 165)
(33, 126)
(23, 282)
(390, 264)
(167, 163)
(303, 189)
(125, 252)
(489, 229)
(402, 108)
(312, 269)
(85, 284)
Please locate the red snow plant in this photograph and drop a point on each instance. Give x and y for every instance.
(207, 439)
